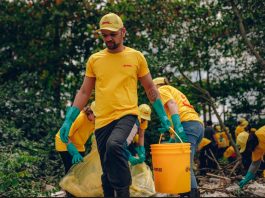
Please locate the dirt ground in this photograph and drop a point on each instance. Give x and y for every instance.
(214, 185)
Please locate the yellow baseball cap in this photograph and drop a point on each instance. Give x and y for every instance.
(110, 22)
(159, 81)
(241, 140)
(243, 122)
(218, 128)
(253, 130)
(145, 112)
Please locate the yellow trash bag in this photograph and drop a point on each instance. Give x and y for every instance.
(84, 179)
(142, 181)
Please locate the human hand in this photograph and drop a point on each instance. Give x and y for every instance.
(249, 176)
(182, 136)
(64, 131)
(141, 152)
(179, 128)
(77, 158)
(70, 117)
(134, 161)
(165, 123)
(74, 153)
(171, 140)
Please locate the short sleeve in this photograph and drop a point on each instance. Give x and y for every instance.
(143, 66)
(89, 67)
(165, 95)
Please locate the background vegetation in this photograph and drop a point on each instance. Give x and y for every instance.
(45, 45)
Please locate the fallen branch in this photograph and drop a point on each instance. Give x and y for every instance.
(218, 176)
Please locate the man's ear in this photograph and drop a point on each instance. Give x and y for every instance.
(123, 31)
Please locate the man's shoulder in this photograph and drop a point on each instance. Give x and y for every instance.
(132, 50)
(99, 53)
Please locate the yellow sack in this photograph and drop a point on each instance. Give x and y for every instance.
(84, 179)
(142, 181)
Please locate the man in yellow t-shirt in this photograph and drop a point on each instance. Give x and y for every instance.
(254, 142)
(185, 119)
(114, 73)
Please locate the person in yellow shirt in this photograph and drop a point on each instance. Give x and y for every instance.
(255, 143)
(242, 124)
(73, 151)
(114, 73)
(221, 140)
(185, 119)
(137, 150)
(205, 149)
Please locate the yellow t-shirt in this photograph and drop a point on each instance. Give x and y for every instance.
(186, 110)
(203, 143)
(229, 152)
(116, 83)
(259, 151)
(79, 133)
(222, 139)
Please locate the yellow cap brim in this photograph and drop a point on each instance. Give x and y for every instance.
(108, 28)
(145, 117)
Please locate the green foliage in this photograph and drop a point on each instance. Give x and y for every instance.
(26, 166)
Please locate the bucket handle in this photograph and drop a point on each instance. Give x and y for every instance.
(171, 130)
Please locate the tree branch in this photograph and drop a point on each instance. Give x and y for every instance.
(244, 35)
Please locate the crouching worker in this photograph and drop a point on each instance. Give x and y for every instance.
(255, 143)
(206, 156)
(73, 151)
(187, 124)
(137, 150)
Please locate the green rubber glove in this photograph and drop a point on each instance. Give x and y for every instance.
(179, 128)
(70, 117)
(171, 140)
(134, 161)
(75, 154)
(159, 108)
(249, 176)
(141, 152)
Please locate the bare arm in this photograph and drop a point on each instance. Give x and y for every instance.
(172, 106)
(149, 87)
(84, 93)
(141, 137)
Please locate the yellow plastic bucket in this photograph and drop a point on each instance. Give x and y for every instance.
(171, 167)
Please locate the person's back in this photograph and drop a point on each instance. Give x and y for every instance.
(209, 131)
(186, 110)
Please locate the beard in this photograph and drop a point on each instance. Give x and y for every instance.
(112, 45)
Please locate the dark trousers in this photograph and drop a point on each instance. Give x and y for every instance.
(67, 162)
(205, 159)
(112, 141)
